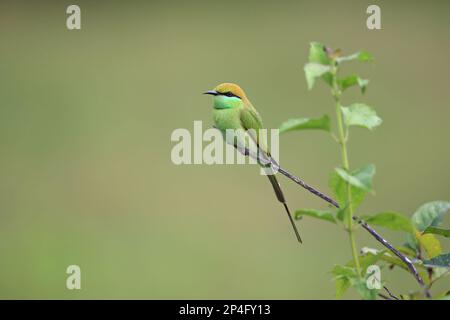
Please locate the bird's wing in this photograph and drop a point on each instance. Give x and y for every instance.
(250, 119)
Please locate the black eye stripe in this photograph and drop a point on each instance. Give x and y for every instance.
(230, 94)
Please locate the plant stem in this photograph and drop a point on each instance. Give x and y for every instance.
(342, 140)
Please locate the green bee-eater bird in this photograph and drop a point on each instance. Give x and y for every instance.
(233, 110)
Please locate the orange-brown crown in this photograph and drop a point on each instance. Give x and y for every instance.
(231, 87)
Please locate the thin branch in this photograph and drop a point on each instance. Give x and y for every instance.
(264, 160)
(390, 293)
(402, 257)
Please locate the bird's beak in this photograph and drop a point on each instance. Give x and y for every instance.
(211, 92)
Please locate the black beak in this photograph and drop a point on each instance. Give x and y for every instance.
(211, 92)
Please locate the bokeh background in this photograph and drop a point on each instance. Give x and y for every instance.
(85, 124)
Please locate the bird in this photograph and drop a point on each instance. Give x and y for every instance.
(233, 110)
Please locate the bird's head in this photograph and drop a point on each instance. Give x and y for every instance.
(228, 96)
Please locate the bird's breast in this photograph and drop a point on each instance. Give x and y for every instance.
(226, 119)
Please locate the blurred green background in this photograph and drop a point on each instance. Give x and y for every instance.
(85, 124)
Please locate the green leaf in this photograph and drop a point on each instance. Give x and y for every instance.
(442, 260)
(360, 114)
(443, 296)
(353, 80)
(440, 272)
(360, 178)
(430, 243)
(328, 78)
(407, 251)
(318, 54)
(339, 187)
(322, 123)
(391, 220)
(411, 242)
(361, 287)
(342, 285)
(342, 277)
(362, 56)
(323, 215)
(365, 56)
(342, 214)
(314, 70)
(438, 231)
(345, 276)
(340, 271)
(366, 260)
(394, 261)
(430, 214)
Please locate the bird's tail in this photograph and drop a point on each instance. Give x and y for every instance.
(302, 183)
(280, 196)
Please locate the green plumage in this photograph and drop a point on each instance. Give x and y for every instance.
(232, 110)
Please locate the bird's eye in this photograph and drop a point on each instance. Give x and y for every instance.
(230, 94)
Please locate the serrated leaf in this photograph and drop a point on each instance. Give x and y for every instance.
(318, 214)
(430, 214)
(391, 220)
(313, 71)
(353, 80)
(322, 123)
(438, 231)
(430, 243)
(360, 178)
(318, 54)
(360, 114)
(442, 260)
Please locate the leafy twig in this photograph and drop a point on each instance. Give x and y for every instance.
(275, 166)
(402, 257)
